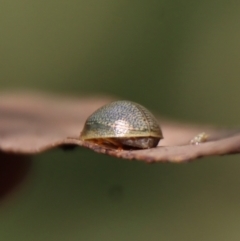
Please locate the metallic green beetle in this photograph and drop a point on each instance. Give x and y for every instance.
(122, 124)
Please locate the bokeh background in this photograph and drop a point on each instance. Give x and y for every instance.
(180, 59)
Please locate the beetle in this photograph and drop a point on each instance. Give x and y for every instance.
(122, 124)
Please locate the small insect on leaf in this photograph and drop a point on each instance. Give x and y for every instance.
(122, 124)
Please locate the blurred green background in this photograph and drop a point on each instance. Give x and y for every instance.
(180, 59)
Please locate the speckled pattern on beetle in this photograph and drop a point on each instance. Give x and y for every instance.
(122, 124)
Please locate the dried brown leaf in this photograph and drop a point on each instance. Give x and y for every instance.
(33, 123)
